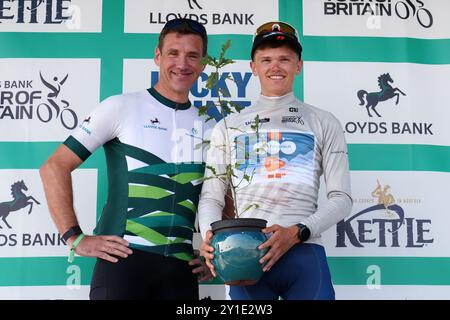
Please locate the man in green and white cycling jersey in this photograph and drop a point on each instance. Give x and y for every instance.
(143, 239)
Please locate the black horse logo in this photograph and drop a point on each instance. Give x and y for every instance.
(20, 200)
(154, 121)
(387, 92)
(195, 1)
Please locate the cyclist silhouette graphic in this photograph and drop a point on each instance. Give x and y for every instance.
(44, 111)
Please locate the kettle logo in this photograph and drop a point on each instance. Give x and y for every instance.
(385, 230)
(20, 200)
(387, 92)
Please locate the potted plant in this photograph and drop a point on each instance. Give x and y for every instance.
(235, 239)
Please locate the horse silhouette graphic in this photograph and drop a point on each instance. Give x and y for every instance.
(195, 1)
(154, 121)
(387, 92)
(20, 200)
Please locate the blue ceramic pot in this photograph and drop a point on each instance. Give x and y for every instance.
(236, 253)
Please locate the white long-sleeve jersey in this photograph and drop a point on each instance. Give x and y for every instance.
(277, 166)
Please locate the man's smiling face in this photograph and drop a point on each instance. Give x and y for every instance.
(276, 69)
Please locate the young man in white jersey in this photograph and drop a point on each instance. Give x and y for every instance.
(143, 241)
(306, 142)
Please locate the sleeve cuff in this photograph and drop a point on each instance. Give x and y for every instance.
(80, 150)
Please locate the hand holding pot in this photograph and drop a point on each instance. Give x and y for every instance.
(200, 268)
(206, 250)
(280, 242)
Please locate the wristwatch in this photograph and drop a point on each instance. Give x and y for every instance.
(72, 231)
(303, 233)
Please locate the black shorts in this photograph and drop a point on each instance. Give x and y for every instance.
(144, 275)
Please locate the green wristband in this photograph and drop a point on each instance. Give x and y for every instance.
(74, 246)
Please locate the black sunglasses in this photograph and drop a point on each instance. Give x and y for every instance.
(193, 25)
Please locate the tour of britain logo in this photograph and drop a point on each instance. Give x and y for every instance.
(383, 224)
(374, 102)
(402, 9)
(20, 200)
(22, 99)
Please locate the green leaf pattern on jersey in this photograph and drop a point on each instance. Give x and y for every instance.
(162, 204)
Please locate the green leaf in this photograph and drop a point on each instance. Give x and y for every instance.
(255, 205)
(212, 80)
(226, 46)
(223, 62)
(226, 109)
(235, 106)
(202, 111)
(225, 92)
(212, 169)
(240, 143)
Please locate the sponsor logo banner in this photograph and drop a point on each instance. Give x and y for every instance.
(26, 228)
(393, 214)
(234, 16)
(383, 102)
(141, 73)
(51, 16)
(426, 19)
(45, 99)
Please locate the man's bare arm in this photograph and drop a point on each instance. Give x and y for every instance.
(57, 179)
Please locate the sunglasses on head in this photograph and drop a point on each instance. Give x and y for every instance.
(275, 27)
(195, 26)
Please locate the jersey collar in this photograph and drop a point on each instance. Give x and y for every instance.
(276, 101)
(167, 102)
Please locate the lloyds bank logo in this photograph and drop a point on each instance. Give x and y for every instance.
(208, 16)
(387, 91)
(19, 201)
(378, 124)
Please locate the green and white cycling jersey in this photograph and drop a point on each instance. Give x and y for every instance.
(155, 165)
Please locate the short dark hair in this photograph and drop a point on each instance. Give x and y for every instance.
(278, 44)
(183, 26)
